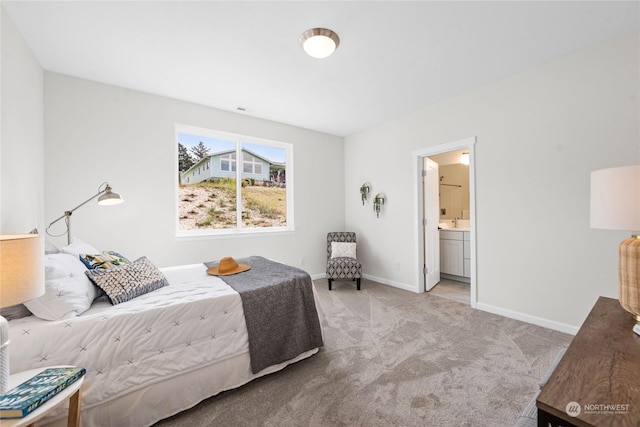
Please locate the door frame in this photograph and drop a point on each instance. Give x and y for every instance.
(466, 143)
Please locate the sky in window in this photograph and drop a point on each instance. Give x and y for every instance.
(216, 145)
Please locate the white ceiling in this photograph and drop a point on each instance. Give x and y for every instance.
(394, 57)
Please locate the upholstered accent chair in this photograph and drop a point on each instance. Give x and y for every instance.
(341, 258)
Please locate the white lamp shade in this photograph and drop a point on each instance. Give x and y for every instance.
(21, 268)
(615, 198)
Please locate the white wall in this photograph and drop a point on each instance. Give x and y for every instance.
(21, 135)
(97, 133)
(539, 135)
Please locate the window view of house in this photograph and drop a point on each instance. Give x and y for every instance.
(216, 193)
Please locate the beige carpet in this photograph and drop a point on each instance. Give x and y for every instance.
(395, 358)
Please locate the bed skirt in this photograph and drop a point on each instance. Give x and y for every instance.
(161, 400)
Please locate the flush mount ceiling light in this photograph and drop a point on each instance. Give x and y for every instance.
(319, 42)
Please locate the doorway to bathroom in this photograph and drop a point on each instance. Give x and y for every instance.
(445, 194)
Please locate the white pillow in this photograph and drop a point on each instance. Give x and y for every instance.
(50, 248)
(343, 250)
(78, 247)
(68, 291)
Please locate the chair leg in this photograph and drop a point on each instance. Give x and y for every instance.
(329, 280)
(358, 283)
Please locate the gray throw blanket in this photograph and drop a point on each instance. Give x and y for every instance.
(279, 310)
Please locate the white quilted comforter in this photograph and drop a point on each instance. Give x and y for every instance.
(195, 321)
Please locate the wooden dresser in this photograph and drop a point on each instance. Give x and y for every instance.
(597, 382)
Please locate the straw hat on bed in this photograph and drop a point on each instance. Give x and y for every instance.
(227, 267)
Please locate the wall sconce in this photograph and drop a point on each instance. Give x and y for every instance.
(364, 191)
(378, 201)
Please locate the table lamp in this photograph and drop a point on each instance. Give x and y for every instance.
(21, 279)
(615, 205)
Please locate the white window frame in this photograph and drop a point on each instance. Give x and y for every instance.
(240, 230)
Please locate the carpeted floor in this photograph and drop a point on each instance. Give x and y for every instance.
(452, 289)
(395, 358)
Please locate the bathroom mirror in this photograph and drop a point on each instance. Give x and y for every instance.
(454, 185)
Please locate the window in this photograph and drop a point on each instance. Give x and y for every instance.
(251, 164)
(228, 162)
(214, 196)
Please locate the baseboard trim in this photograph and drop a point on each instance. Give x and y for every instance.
(376, 279)
(393, 283)
(545, 323)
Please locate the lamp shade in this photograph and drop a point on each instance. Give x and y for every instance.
(615, 198)
(109, 197)
(21, 268)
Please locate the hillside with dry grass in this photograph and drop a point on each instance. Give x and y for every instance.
(213, 205)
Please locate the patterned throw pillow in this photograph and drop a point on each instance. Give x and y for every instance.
(128, 281)
(107, 259)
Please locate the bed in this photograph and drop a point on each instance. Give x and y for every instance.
(155, 355)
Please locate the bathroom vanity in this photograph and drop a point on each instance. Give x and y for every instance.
(455, 253)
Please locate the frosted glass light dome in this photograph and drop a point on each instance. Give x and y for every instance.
(319, 42)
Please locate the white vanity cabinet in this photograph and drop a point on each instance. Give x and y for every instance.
(455, 253)
(451, 252)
